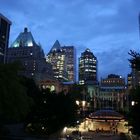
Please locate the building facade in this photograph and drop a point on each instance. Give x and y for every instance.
(57, 58)
(63, 60)
(88, 68)
(4, 37)
(26, 51)
(71, 62)
(129, 81)
(112, 92)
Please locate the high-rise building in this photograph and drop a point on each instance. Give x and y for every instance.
(57, 58)
(71, 62)
(4, 37)
(87, 68)
(25, 50)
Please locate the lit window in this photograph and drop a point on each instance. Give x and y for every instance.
(16, 45)
(52, 88)
(30, 44)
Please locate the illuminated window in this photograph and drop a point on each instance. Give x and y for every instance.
(52, 88)
(30, 44)
(16, 45)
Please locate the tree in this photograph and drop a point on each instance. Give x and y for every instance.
(135, 59)
(14, 102)
(134, 116)
(134, 95)
(53, 111)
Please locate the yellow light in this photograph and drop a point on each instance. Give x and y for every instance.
(65, 129)
(77, 102)
(83, 103)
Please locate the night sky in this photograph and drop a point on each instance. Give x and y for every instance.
(108, 27)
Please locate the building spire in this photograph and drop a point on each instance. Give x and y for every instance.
(25, 30)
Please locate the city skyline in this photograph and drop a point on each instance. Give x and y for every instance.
(109, 29)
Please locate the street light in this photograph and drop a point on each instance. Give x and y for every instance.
(64, 131)
(83, 103)
(77, 102)
(132, 103)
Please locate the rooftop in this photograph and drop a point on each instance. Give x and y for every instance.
(106, 114)
(24, 39)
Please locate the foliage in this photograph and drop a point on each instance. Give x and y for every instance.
(14, 102)
(76, 92)
(134, 95)
(135, 59)
(134, 116)
(52, 112)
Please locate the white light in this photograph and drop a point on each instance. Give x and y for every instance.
(77, 102)
(65, 129)
(16, 45)
(83, 103)
(32, 74)
(133, 103)
(30, 44)
(77, 121)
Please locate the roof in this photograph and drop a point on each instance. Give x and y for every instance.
(106, 114)
(5, 18)
(113, 87)
(88, 53)
(56, 47)
(24, 39)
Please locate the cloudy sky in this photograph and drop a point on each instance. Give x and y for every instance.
(108, 27)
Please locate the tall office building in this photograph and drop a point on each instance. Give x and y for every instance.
(4, 37)
(25, 50)
(87, 68)
(57, 58)
(71, 62)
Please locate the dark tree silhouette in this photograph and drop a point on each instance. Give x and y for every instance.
(14, 102)
(134, 95)
(135, 59)
(52, 112)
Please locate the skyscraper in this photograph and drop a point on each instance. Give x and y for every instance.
(4, 37)
(71, 62)
(25, 50)
(57, 58)
(87, 68)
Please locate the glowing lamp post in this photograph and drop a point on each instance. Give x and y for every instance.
(83, 104)
(77, 102)
(132, 103)
(65, 131)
